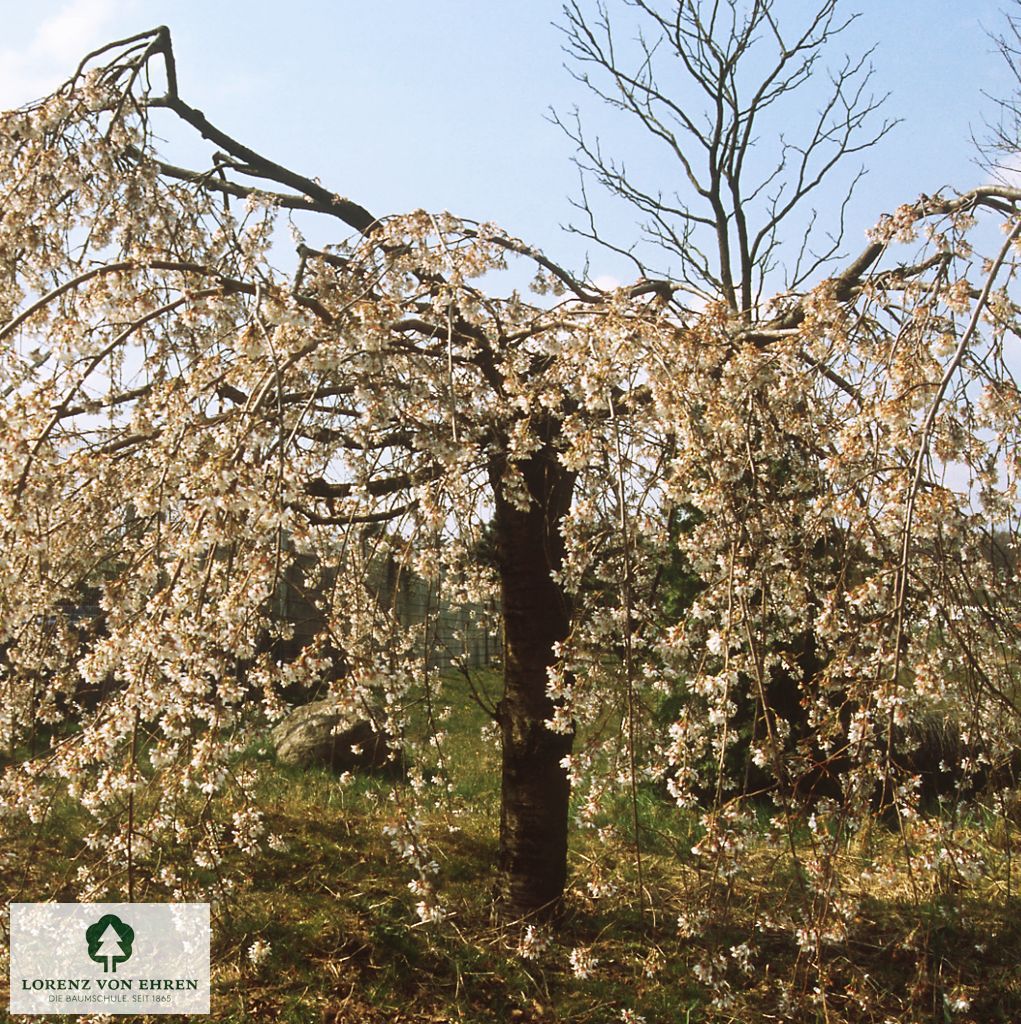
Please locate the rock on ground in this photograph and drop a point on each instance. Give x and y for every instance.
(325, 734)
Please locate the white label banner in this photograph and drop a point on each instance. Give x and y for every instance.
(136, 958)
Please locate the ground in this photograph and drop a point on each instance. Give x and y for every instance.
(345, 945)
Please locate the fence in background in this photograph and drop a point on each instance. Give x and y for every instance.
(463, 637)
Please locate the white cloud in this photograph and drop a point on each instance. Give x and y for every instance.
(607, 282)
(51, 53)
(61, 37)
(1007, 171)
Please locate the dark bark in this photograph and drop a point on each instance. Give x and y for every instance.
(537, 614)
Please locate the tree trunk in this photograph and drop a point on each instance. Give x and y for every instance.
(535, 789)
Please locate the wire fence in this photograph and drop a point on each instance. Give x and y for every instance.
(465, 637)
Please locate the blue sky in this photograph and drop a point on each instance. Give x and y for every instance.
(442, 104)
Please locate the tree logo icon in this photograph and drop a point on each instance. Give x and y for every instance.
(109, 942)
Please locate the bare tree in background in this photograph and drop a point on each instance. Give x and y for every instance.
(719, 87)
(998, 149)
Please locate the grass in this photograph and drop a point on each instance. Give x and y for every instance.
(346, 946)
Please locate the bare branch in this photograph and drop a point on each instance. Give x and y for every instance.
(735, 73)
